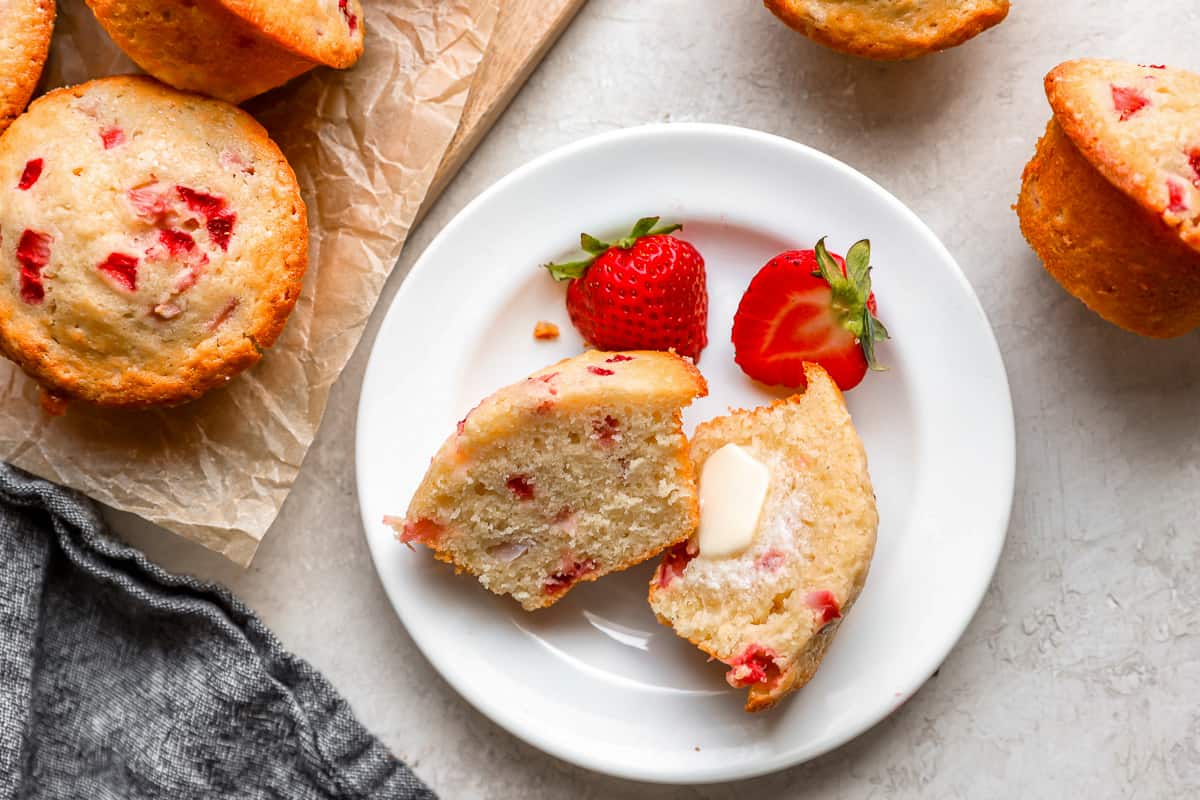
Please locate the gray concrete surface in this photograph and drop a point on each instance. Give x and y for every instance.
(1080, 677)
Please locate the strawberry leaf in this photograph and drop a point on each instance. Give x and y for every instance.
(878, 332)
(867, 342)
(873, 333)
(858, 262)
(848, 303)
(570, 270)
(640, 228)
(590, 244)
(595, 248)
(646, 227)
(829, 268)
(851, 293)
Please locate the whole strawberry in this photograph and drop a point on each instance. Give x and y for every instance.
(646, 291)
(809, 305)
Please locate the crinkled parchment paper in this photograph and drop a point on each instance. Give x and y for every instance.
(365, 144)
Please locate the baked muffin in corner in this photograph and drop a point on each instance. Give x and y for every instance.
(1111, 199)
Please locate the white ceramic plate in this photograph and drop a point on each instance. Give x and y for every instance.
(595, 680)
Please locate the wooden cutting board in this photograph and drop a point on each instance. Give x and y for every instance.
(525, 31)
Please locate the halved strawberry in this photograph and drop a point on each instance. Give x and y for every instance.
(809, 305)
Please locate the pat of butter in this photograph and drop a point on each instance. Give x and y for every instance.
(733, 486)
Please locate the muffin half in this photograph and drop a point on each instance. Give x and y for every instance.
(579, 470)
(770, 605)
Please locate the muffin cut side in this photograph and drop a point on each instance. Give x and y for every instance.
(575, 472)
(771, 612)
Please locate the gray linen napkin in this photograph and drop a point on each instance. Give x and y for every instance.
(119, 680)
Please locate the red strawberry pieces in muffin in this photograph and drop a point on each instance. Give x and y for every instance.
(112, 137)
(571, 570)
(168, 206)
(122, 269)
(755, 665)
(33, 253)
(350, 17)
(814, 306)
(218, 220)
(647, 291)
(825, 604)
(30, 175)
(676, 561)
(1128, 101)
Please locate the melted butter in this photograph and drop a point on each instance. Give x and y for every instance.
(733, 486)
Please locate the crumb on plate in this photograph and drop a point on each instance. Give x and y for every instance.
(545, 330)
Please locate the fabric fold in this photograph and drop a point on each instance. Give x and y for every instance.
(119, 679)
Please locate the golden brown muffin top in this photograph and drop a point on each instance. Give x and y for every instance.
(328, 31)
(1140, 127)
(153, 241)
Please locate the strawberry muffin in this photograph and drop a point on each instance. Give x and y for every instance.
(233, 49)
(152, 242)
(786, 535)
(890, 30)
(1111, 199)
(579, 470)
(25, 29)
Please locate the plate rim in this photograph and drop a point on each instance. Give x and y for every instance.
(477, 697)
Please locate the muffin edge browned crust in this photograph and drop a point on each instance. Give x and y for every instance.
(1102, 153)
(254, 12)
(243, 54)
(1103, 246)
(854, 40)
